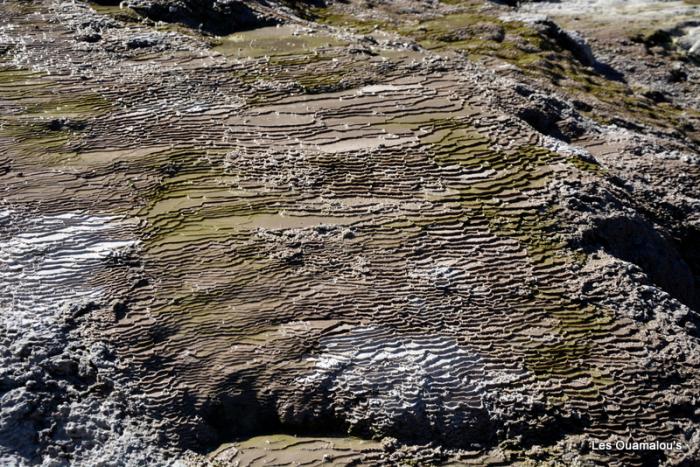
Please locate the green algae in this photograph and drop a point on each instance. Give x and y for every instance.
(41, 121)
(586, 166)
(338, 19)
(180, 215)
(481, 36)
(68, 106)
(13, 79)
(620, 100)
(464, 32)
(533, 227)
(202, 202)
(559, 359)
(33, 138)
(116, 11)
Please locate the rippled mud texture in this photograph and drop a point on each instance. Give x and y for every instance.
(357, 233)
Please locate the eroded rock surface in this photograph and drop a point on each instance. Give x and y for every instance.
(375, 233)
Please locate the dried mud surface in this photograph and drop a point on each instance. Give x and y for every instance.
(355, 233)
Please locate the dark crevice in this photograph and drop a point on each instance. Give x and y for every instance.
(207, 15)
(245, 413)
(637, 241)
(214, 17)
(242, 411)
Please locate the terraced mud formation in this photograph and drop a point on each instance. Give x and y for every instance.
(349, 233)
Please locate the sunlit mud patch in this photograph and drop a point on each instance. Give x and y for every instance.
(47, 263)
(416, 388)
(59, 399)
(613, 9)
(291, 450)
(276, 41)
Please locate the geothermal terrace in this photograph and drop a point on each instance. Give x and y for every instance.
(363, 233)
